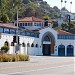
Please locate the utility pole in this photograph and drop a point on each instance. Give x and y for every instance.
(17, 45)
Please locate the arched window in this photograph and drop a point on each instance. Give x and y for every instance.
(12, 43)
(61, 46)
(32, 45)
(23, 44)
(6, 43)
(36, 45)
(46, 38)
(69, 46)
(28, 44)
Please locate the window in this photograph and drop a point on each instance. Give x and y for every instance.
(23, 44)
(61, 46)
(27, 33)
(46, 38)
(32, 34)
(32, 45)
(66, 36)
(6, 30)
(28, 44)
(36, 35)
(36, 45)
(35, 24)
(15, 24)
(12, 43)
(6, 43)
(29, 24)
(1, 30)
(22, 33)
(12, 31)
(20, 24)
(39, 24)
(25, 24)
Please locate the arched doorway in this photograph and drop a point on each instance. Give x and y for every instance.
(6, 43)
(70, 50)
(48, 42)
(61, 50)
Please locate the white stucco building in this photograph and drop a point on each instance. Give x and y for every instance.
(64, 17)
(37, 39)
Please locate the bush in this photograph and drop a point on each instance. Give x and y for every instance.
(4, 49)
(23, 57)
(13, 58)
(5, 58)
(0, 58)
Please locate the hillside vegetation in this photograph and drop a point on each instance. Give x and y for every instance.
(37, 8)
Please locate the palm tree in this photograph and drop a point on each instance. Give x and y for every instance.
(61, 3)
(70, 6)
(65, 4)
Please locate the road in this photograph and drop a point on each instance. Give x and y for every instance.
(40, 65)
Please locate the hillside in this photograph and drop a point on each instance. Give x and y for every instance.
(40, 8)
(37, 8)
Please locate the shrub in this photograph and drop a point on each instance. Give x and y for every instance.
(13, 58)
(4, 48)
(23, 57)
(26, 57)
(0, 58)
(5, 58)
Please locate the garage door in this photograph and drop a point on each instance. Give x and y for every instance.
(61, 50)
(70, 50)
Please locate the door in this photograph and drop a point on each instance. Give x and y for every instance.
(46, 49)
(70, 50)
(61, 50)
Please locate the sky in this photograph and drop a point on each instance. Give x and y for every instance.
(58, 4)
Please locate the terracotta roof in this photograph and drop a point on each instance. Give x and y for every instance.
(30, 19)
(41, 28)
(7, 25)
(64, 32)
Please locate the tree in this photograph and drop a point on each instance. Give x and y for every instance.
(65, 26)
(47, 18)
(9, 8)
(5, 18)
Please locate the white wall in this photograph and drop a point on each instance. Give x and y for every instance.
(33, 50)
(65, 43)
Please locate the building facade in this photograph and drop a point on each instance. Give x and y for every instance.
(37, 39)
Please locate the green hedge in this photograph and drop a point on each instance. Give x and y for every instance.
(13, 58)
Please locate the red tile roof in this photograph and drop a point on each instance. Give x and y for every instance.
(64, 32)
(30, 19)
(41, 28)
(58, 31)
(7, 25)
